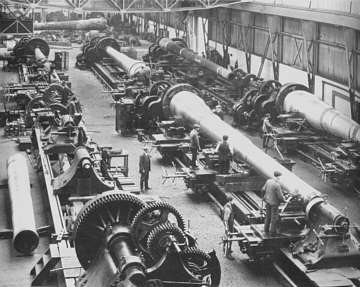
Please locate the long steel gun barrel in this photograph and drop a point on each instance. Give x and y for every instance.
(177, 48)
(182, 101)
(290, 98)
(320, 115)
(105, 46)
(89, 24)
(25, 236)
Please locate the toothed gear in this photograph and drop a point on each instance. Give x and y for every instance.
(106, 210)
(57, 93)
(143, 223)
(161, 237)
(199, 264)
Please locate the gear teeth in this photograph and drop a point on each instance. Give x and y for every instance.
(155, 236)
(155, 206)
(86, 251)
(195, 252)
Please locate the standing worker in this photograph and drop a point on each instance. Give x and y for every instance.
(225, 155)
(266, 130)
(144, 169)
(273, 196)
(228, 219)
(194, 144)
(219, 112)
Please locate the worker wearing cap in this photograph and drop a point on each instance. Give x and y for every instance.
(144, 169)
(225, 153)
(266, 130)
(194, 144)
(219, 112)
(228, 219)
(273, 197)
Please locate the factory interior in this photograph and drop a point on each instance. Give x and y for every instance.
(180, 143)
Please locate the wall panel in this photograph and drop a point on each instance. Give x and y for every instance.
(332, 58)
(261, 36)
(293, 50)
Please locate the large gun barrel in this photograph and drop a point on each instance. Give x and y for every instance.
(90, 24)
(317, 113)
(179, 48)
(25, 236)
(182, 101)
(105, 46)
(290, 98)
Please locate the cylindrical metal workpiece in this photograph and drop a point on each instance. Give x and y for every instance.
(89, 24)
(190, 55)
(25, 236)
(184, 103)
(132, 67)
(128, 264)
(320, 115)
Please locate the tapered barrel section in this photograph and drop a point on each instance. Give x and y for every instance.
(321, 116)
(181, 50)
(25, 236)
(90, 24)
(182, 102)
(131, 66)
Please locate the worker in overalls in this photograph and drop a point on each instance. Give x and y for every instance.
(194, 144)
(228, 220)
(225, 153)
(266, 131)
(273, 197)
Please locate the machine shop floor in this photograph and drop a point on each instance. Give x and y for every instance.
(202, 216)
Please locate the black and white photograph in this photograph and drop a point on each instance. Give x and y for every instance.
(180, 143)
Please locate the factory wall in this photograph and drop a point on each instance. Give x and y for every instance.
(250, 31)
(331, 71)
(331, 92)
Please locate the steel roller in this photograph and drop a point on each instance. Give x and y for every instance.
(182, 101)
(89, 24)
(25, 236)
(180, 49)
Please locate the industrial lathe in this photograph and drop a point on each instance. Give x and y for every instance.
(101, 231)
(302, 123)
(314, 236)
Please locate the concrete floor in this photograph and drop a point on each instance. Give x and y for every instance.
(202, 216)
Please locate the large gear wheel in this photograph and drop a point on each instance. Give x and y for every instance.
(151, 216)
(98, 215)
(57, 93)
(200, 265)
(162, 236)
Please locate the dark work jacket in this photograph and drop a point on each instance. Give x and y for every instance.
(144, 163)
(224, 151)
